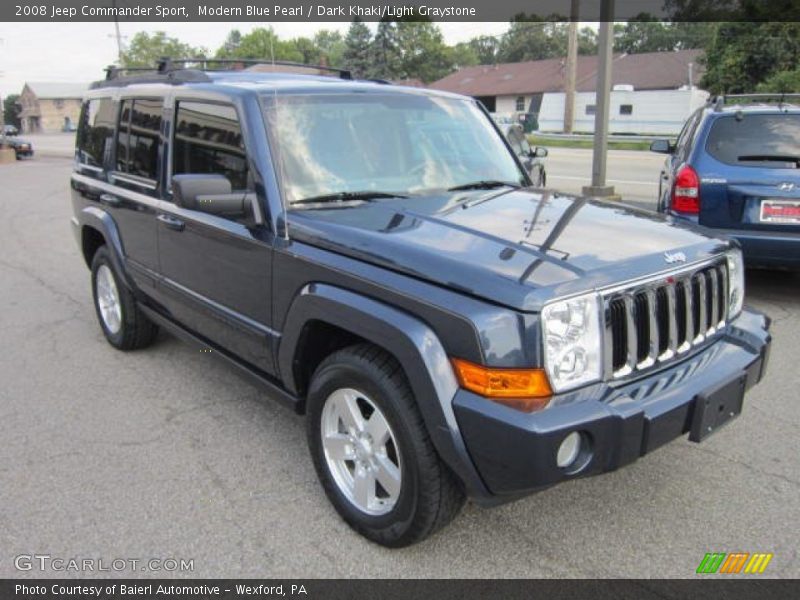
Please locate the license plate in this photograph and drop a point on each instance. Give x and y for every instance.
(716, 408)
(780, 211)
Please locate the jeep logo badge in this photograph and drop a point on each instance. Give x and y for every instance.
(674, 257)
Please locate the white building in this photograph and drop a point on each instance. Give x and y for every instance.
(654, 92)
(658, 112)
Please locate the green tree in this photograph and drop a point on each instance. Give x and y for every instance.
(530, 38)
(357, 50)
(263, 44)
(741, 55)
(423, 53)
(462, 55)
(587, 41)
(308, 50)
(230, 45)
(645, 33)
(331, 47)
(784, 82)
(485, 48)
(11, 111)
(145, 49)
(385, 59)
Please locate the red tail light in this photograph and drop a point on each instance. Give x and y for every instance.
(686, 192)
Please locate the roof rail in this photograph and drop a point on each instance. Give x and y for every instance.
(778, 98)
(193, 70)
(167, 64)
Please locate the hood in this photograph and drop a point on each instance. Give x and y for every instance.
(518, 248)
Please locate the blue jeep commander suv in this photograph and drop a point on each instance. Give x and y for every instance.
(376, 258)
(736, 168)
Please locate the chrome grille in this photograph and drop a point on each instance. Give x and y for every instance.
(653, 322)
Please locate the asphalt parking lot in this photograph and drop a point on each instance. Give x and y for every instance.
(166, 453)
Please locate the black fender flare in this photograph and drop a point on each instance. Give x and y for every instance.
(97, 218)
(410, 341)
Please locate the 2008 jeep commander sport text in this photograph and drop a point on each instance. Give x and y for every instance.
(375, 257)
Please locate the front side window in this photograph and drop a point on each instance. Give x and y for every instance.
(397, 143)
(96, 131)
(138, 137)
(208, 139)
(771, 141)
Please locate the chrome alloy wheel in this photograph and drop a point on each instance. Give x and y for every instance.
(108, 299)
(361, 451)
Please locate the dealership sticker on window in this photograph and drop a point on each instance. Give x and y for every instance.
(780, 211)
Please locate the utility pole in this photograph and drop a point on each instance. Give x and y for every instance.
(118, 35)
(602, 101)
(571, 67)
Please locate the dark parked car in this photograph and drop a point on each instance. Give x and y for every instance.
(531, 157)
(22, 148)
(10, 130)
(736, 168)
(374, 257)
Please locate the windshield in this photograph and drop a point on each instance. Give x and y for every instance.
(758, 140)
(405, 144)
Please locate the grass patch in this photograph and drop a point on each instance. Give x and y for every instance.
(549, 142)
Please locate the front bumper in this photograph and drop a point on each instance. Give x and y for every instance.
(515, 453)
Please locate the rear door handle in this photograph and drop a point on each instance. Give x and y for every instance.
(171, 222)
(110, 200)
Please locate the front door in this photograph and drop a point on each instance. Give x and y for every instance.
(216, 271)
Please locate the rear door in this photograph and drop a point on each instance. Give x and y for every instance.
(216, 271)
(135, 176)
(750, 172)
(127, 190)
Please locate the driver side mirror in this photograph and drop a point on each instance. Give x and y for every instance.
(538, 152)
(662, 147)
(211, 193)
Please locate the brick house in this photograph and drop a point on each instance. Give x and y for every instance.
(47, 107)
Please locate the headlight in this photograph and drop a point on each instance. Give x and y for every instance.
(735, 283)
(572, 349)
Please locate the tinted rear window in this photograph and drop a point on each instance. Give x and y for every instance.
(96, 131)
(137, 140)
(756, 140)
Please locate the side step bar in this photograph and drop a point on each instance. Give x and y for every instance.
(253, 375)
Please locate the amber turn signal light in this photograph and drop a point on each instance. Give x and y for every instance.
(526, 390)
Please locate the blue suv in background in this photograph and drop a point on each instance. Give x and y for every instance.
(736, 168)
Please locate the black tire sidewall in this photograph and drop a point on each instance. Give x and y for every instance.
(101, 258)
(336, 376)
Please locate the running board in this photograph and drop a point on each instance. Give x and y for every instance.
(254, 376)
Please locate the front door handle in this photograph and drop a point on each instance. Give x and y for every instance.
(110, 200)
(171, 222)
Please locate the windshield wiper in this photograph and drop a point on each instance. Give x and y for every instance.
(366, 195)
(484, 184)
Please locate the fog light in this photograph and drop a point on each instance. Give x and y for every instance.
(568, 450)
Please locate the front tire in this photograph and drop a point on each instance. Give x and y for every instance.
(124, 325)
(372, 452)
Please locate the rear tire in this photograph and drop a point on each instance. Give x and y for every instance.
(410, 493)
(122, 322)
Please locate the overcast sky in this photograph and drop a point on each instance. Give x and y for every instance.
(80, 51)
